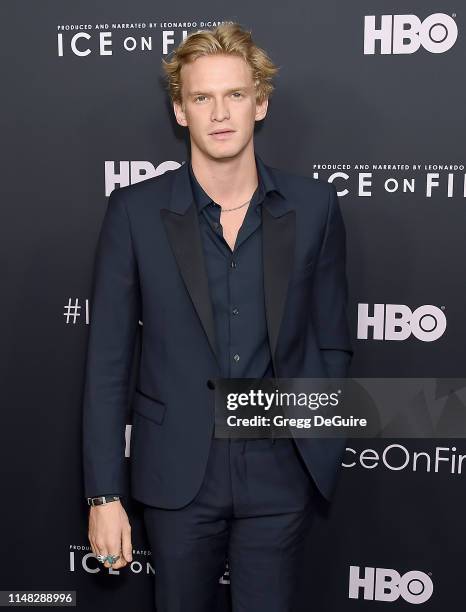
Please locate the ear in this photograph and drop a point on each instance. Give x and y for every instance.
(179, 114)
(261, 109)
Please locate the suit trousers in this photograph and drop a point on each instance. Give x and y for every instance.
(254, 506)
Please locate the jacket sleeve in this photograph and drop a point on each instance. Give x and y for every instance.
(114, 319)
(330, 294)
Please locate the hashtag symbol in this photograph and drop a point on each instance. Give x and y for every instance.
(71, 311)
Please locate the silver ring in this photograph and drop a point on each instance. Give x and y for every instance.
(110, 558)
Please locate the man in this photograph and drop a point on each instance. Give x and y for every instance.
(236, 270)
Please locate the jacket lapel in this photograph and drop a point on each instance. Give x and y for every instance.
(181, 222)
(278, 243)
(185, 239)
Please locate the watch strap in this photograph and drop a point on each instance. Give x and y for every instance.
(102, 499)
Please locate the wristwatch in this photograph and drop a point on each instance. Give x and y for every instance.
(102, 499)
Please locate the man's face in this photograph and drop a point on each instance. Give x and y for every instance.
(218, 94)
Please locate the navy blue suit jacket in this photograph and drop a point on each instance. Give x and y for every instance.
(149, 267)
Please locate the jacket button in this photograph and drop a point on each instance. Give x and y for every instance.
(211, 384)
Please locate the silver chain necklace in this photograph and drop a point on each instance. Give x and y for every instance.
(236, 207)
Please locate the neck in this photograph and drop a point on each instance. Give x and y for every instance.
(228, 181)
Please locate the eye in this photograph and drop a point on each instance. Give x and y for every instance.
(197, 98)
(237, 92)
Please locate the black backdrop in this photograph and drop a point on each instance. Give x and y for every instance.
(382, 126)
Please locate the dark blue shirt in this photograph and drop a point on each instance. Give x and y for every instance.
(236, 285)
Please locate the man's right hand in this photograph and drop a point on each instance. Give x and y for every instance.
(110, 533)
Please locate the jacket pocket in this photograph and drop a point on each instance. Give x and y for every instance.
(148, 407)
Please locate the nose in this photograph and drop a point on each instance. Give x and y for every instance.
(220, 111)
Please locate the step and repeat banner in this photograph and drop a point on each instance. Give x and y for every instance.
(369, 96)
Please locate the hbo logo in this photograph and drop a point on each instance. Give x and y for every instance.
(406, 33)
(380, 584)
(398, 322)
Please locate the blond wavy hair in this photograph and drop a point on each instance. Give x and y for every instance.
(225, 39)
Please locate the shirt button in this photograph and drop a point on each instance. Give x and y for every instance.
(236, 357)
(235, 311)
(233, 264)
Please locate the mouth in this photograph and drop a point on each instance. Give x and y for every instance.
(221, 131)
(221, 134)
